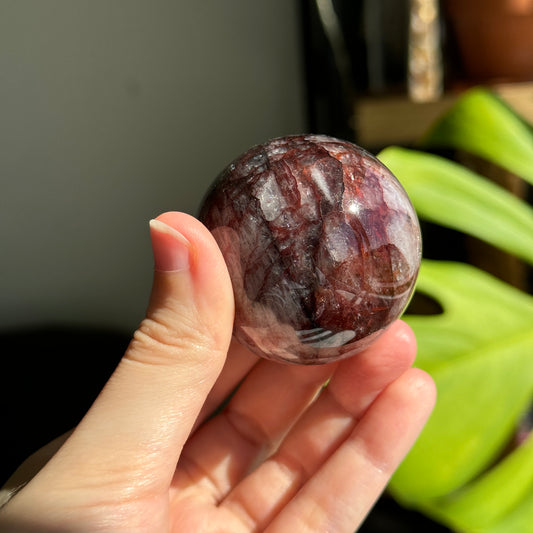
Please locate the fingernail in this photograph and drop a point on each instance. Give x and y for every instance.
(171, 249)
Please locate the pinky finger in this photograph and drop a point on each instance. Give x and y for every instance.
(340, 494)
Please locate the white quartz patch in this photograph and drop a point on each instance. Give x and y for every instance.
(270, 199)
(321, 182)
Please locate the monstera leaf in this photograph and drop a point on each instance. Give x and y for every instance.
(479, 349)
(480, 123)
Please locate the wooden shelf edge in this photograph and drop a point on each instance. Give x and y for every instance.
(397, 120)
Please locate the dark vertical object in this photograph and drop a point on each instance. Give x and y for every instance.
(329, 92)
(353, 48)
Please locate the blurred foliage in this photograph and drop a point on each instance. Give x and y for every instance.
(466, 470)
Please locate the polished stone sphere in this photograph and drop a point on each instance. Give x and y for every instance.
(322, 245)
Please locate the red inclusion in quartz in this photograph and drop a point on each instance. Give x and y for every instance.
(322, 245)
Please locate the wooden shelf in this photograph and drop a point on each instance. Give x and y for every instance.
(397, 120)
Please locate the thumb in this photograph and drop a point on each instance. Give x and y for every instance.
(141, 419)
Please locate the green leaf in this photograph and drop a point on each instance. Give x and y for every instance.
(519, 520)
(446, 193)
(478, 310)
(478, 351)
(488, 501)
(480, 123)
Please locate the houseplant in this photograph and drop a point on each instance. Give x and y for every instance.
(469, 470)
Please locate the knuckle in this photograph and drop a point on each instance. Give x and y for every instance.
(159, 342)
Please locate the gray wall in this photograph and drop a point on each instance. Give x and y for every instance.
(112, 111)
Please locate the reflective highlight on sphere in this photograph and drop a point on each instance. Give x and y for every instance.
(322, 245)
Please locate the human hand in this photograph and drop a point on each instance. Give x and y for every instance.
(157, 452)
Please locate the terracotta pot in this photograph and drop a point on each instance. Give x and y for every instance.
(494, 37)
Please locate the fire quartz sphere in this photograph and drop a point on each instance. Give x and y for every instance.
(322, 245)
